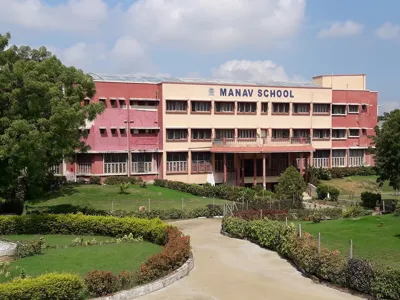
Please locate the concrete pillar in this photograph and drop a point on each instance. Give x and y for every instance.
(225, 171)
(301, 164)
(242, 169)
(264, 171)
(255, 169)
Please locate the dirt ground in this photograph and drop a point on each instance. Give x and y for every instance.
(230, 269)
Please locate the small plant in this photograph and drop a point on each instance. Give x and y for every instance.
(95, 180)
(123, 187)
(143, 184)
(125, 279)
(101, 283)
(30, 248)
(316, 217)
(355, 211)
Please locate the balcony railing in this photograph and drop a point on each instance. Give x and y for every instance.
(176, 166)
(143, 167)
(115, 168)
(201, 166)
(338, 162)
(356, 161)
(84, 169)
(264, 141)
(56, 170)
(320, 162)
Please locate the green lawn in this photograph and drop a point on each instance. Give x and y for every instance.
(375, 238)
(80, 260)
(53, 239)
(108, 197)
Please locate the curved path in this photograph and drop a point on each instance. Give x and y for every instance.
(231, 269)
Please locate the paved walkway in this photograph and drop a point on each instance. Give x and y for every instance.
(230, 269)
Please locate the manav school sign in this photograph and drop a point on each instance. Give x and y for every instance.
(249, 92)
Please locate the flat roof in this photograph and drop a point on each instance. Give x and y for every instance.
(99, 77)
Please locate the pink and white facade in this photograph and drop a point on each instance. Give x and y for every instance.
(226, 132)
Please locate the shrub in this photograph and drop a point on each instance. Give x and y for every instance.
(123, 187)
(386, 283)
(29, 248)
(95, 180)
(359, 275)
(101, 283)
(323, 190)
(355, 211)
(262, 213)
(116, 180)
(125, 279)
(316, 217)
(143, 184)
(51, 286)
(174, 254)
(397, 212)
(371, 200)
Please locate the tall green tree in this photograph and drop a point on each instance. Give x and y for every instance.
(41, 113)
(387, 150)
(291, 184)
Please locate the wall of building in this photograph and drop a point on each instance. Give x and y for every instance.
(342, 82)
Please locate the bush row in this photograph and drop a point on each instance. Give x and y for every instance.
(175, 253)
(327, 174)
(323, 190)
(102, 283)
(116, 180)
(327, 265)
(260, 214)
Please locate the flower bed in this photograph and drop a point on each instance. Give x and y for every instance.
(175, 252)
(327, 265)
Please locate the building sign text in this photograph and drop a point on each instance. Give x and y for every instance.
(267, 93)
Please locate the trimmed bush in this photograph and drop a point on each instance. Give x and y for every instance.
(95, 180)
(117, 180)
(175, 253)
(371, 200)
(327, 174)
(29, 248)
(101, 283)
(51, 286)
(262, 213)
(360, 275)
(386, 283)
(355, 211)
(125, 279)
(323, 190)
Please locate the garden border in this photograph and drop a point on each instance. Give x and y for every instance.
(151, 287)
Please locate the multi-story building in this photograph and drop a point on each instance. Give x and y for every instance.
(239, 133)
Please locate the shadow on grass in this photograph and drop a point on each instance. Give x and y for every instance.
(66, 190)
(397, 235)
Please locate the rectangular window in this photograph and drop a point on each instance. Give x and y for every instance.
(201, 106)
(113, 103)
(201, 162)
(177, 162)
(114, 132)
(122, 103)
(301, 133)
(201, 134)
(142, 163)
(86, 102)
(176, 106)
(247, 133)
(145, 131)
(353, 109)
(321, 133)
(338, 158)
(177, 134)
(224, 107)
(364, 131)
(264, 107)
(338, 133)
(321, 108)
(224, 133)
(149, 104)
(247, 107)
(301, 108)
(356, 157)
(338, 109)
(115, 163)
(280, 133)
(280, 108)
(103, 101)
(354, 132)
(219, 162)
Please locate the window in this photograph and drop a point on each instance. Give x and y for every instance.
(176, 106)
(86, 102)
(177, 134)
(201, 134)
(103, 131)
(133, 103)
(177, 162)
(114, 132)
(364, 131)
(338, 158)
(142, 163)
(219, 162)
(353, 109)
(224, 133)
(321, 108)
(115, 163)
(145, 131)
(247, 107)
(301, 133)
(338, 133)
(356, 157)
(280, 108)
(122, 130)
(338, 109)
(301, 108)
(280, 133)
(122, 103)
(201, 106)
(321, 133)
(113, 103)
(264, 107)
(364, 108)
(103, 101)
(201, 162)
(247, 133)
(224, 107)
(354, 132)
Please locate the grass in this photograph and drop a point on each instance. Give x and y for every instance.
(80, 260)
(375, 238)
(109, 197)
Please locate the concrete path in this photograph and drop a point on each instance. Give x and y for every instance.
(230, 269)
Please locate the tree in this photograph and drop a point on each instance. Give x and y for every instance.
(291, 184)
(387, 150)
(41, 113)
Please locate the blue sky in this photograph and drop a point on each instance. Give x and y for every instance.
(288, 40)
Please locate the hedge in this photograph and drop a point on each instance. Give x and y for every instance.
(327, 265)
(52, 286)
(323, 190)
(327, 174)
(371, 200)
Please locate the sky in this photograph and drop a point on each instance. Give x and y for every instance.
(263, 40)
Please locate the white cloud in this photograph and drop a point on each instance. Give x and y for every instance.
(388, 31)
(75, 15)
(259, 70)
(207, 25)
(341, 29)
